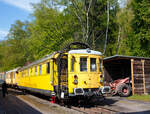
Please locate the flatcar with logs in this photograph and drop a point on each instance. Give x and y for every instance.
(73, 73)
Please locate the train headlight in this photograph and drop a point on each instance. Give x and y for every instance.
(75, 79)
(101, 78)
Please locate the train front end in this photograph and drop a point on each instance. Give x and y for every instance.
(85, 73)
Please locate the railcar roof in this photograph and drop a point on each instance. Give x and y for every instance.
(84, 51)
(79, 51)
(14, 70)
(38, 61)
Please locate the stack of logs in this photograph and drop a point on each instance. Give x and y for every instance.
(140, 70)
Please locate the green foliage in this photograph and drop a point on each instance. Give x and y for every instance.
(124, 19)
(48, 31)
(97, 22)
(54, 24)
(14, 51)
(139, 40)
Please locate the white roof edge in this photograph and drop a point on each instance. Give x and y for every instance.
(85, 51)
(39, 61)
(14, 70)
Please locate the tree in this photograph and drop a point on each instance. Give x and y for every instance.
(139, 40)
(50, 29)
(92, 16)
(54, 24)
(14, 51)
(124, 19)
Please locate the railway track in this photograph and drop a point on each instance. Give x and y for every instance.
(86, 110)
(95, 110)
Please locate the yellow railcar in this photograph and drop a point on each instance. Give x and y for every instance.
(65, 74)
(11, 77)
(8, 77)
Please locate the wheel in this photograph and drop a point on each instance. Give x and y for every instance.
(113, 92)
(124, 90)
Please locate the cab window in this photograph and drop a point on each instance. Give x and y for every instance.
(31, 71)
(83, 64)
(93, 64)
(72, 63)
(100, 65)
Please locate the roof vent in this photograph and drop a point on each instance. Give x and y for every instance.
(88, 50)
(46, 55)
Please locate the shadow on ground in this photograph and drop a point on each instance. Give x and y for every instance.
(12, 105)
(14, 92)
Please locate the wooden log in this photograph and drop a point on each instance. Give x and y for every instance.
(147, 62)
(143, 76)
(132, 73)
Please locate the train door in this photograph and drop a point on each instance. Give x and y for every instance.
(63, 80)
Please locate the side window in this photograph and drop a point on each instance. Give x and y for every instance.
(35, 70)
(72, 63)
(83, 64)
(13, 75)
(28, 72)
(25, 73)
(48, 67)
(40, 69)
(100, 65)
(93, 64)
(31, 71)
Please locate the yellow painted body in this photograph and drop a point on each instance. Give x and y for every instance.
(47, 81)
(85, 79)
(11, 77)
(35, 80)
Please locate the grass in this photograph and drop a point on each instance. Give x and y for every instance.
(140, 98)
